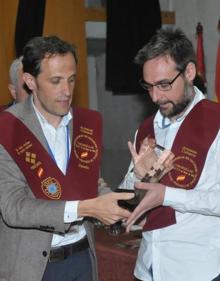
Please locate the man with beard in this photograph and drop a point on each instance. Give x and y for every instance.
(180, 213)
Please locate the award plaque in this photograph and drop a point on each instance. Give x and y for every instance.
(154, 162)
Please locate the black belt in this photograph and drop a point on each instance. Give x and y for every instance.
(61, 253)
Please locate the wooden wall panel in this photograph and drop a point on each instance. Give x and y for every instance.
(8, 13)
(65, 18)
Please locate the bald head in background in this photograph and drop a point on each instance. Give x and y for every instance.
(16, 84)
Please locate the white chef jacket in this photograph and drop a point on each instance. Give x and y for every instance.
(190, 249)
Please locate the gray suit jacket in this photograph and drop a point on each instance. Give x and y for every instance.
(26, 223)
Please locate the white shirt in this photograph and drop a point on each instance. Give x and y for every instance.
(190, 249)
(57, 142)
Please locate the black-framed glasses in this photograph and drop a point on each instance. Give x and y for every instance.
(162, 86)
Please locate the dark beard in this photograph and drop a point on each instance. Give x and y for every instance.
(178, 108)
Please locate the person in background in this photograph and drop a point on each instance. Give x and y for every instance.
(49, 174)
(180, 214)
(16, 82)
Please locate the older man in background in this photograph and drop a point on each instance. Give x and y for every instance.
(16, 83)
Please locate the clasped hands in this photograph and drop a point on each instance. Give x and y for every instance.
(149, 168)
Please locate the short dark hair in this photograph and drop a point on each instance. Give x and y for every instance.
(171, 42)
(39, 48)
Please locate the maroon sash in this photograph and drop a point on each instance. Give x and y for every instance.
(190, 147)
(41, 172)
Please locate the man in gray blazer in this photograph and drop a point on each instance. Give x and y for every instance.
(49, 166)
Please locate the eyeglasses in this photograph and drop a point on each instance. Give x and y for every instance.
(162, 86)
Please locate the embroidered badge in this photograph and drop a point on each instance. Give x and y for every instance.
(24, 147)
(85, 149)
(30, 157)
(51, 188)
(185, 170)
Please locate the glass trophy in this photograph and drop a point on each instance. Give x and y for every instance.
(155, 162)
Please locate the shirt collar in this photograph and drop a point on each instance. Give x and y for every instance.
(64, 122)
(163, 122)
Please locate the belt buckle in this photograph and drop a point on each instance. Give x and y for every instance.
(57, 255)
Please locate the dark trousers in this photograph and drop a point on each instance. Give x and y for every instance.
(76, 267)
(217, 278)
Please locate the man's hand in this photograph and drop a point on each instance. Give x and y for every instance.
(145, 158)
(154, 197)
(105, 207)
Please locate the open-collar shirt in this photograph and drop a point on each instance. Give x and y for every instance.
(56, 139)
(189, 249)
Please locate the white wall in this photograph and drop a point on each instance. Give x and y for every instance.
(188, 14)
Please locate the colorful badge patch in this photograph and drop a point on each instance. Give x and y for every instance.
(185, 172)
(51, 188)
